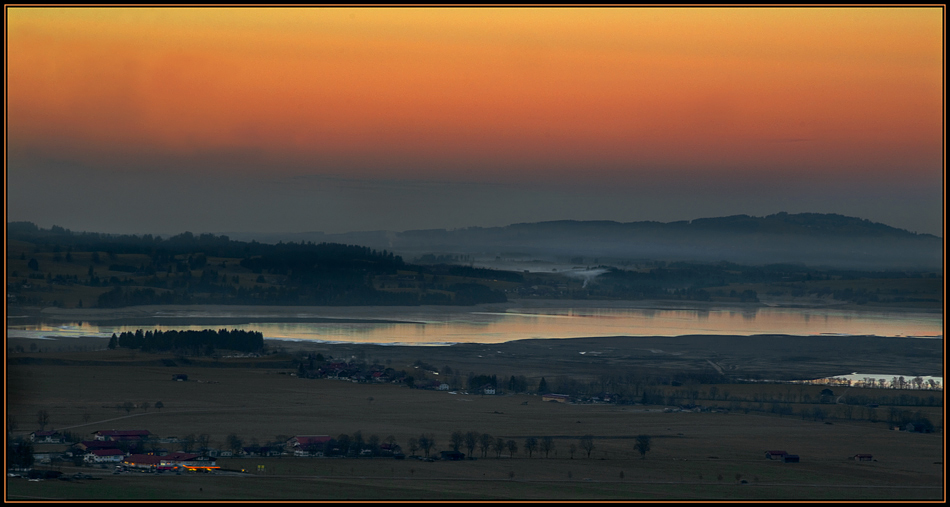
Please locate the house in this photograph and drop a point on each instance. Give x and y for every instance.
(775, 454)
(560, 398)
(452, 456)
(188, 461)
(46, 437)
(488, 390)
(262, 451)
(790, 458)
(180, 377)
(444, 387)
(863, 457)
(104, 456)
(142, 461)
(120, 435)
(307, 445)
(387, 449)
(92, 445)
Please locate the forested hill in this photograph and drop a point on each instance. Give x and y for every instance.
(55, 266)
(813, 239)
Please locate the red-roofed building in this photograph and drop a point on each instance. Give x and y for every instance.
(91, 445)
(142, 461)
(104, 456)
(307, 445)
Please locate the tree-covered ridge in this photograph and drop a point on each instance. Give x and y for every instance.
(195, 342)
(189, 244)
(127, 270)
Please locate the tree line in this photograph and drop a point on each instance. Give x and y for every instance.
(197, 342)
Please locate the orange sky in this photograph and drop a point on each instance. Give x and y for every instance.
(529, 87)
(482, 94)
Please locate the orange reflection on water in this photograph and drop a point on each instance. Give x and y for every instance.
(440, 327)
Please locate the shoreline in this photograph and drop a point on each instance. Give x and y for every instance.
(177, 314)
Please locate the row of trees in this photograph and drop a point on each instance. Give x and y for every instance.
(205, 341)
(427, 443)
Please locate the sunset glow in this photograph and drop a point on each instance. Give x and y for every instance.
(482, 94)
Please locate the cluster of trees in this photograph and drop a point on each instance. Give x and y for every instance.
(197, 342)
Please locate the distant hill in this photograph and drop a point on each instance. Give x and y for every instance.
(815, 239)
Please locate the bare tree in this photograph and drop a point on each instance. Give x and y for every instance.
(498, 446)
(530, 445)
(203, 441)
(234, 443)
(643, 445)
(413, 446)
(159, 405)
(587, 443)
(456, 439)
(572, 449)
(188, 443)
(471, 440)
(512, 448)
(426, 443)
(42, 418)
(547, 445)
(128, 407)
(485, 442)
(145, 406)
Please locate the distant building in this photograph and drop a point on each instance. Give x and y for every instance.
(790, 458)
(104, 456)
(306, 445)
(560, 398)
(452, 456)
(127, 435)
(775, 454)
(863, 457)
(180, 377)
(46, 437)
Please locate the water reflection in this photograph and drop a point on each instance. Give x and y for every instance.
(440, 326)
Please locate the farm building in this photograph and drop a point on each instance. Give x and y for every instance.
(120, 435)
(104, 456)
(142, 461)
(46, 437)
(790, 458)
(180, 377)
(775, 454)
(560, 398)
(306, 445)
(863, 457)
(91, 445)
(452, 456)
(187, 460)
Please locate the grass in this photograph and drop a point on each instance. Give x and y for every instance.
(688, 453)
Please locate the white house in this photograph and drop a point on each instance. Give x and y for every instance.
(104, 456)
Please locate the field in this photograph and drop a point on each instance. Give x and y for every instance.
(692, 455)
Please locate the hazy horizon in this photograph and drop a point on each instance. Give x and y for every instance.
(156, 120)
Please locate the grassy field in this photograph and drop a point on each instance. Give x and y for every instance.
(689, 452)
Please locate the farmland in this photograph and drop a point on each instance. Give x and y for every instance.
(705, 455)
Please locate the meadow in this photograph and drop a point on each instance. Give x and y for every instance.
(692, 456)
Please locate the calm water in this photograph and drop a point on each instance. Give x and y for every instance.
(438, 326)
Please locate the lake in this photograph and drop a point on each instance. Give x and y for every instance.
(428, 325)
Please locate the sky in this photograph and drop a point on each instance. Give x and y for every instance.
(164, 120)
